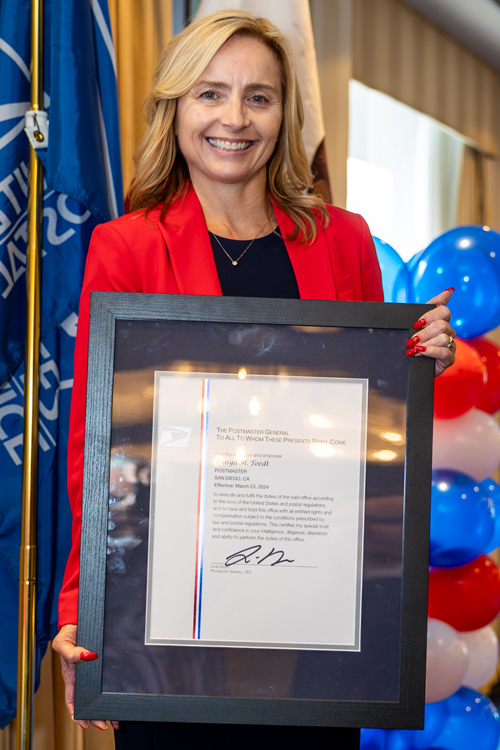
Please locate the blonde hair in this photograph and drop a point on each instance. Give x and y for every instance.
(161, 171)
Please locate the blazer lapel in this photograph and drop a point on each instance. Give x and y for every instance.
(312, 264)
(188, 246)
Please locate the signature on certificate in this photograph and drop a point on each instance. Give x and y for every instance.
(249, 555)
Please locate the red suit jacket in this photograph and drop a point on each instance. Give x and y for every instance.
(131, 254)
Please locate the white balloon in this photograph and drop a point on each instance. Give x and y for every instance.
(482, 646)
(469, 444)
(446, 661)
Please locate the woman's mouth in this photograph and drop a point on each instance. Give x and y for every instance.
(222, 145)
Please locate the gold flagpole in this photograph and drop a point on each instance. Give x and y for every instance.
(27, 571)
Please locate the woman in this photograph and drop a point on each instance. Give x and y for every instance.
(222, 208)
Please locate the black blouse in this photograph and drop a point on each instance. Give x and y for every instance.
(264, 270)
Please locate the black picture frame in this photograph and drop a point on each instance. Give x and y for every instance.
(407, 710)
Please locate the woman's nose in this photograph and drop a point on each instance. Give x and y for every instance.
(235, 115)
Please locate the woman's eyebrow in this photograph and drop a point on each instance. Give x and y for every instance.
(248, 87)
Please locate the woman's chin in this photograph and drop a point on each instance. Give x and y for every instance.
(232, 176)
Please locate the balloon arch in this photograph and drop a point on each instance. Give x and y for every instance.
(464, 582)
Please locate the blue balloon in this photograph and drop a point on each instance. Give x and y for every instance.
(484, 239)
(455, 259)
(472, 723)
(395, 275)
(492, 489)
(373, 739)
(399, 739)
(462, 519)
(410, 265)
(435, 717)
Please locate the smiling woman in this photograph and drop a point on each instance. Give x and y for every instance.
(228, 125)
(223, 206)
(238, 95)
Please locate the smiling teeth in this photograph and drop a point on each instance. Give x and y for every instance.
(228, 146)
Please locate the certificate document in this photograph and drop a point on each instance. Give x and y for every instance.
(257, 510)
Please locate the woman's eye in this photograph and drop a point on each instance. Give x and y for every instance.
(210, 95)
(258, 99)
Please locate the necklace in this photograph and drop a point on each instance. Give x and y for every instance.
(235, 262)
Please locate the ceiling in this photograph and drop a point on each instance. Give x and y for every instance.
(476, 23)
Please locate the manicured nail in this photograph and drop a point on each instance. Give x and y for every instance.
(450, 289)
(415, 350)
(413, 341)
(419, 324)
(103, 729)
(88, 656)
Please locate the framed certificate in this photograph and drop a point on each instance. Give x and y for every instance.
(255, 512)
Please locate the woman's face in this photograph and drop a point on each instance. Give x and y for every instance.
(228, 124)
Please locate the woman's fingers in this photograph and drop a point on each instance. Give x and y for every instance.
(437, 333)
(443, 357)
(443, 298)
(440, 312)
(64, 645)
(433, 334)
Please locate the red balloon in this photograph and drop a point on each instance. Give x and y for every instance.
(490, 357)
(460, 387)
(466, 597)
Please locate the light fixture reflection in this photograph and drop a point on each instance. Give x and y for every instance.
(254, 407)
(241, 454)
(242, 374)
(394, 437)
(384, 455)
(318, 421)
(321, 450)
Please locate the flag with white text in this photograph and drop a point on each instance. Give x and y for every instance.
(82, 187)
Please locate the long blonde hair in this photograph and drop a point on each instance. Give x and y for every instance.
(161, 171)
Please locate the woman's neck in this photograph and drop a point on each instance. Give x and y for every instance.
(237, 212)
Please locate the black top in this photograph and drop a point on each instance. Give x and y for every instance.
(264, 270)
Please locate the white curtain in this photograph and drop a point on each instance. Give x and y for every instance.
(403, 170)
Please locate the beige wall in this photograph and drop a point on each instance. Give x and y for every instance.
(332, 28)
(388, 46)
(400, 52)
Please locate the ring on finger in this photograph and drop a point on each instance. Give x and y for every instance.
(451, 344)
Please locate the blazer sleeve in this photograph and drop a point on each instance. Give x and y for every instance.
(110, 267)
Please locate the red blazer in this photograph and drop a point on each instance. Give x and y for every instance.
(131, 254)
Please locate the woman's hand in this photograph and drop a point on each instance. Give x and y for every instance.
(433, 334)
(65, 645)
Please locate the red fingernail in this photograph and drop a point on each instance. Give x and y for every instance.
(88, 656)
(103, 729)
(411, 352)
(419, 324)
(450, 289)
(413, 341)
(420, 348)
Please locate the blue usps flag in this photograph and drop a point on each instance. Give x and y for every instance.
(82, 188)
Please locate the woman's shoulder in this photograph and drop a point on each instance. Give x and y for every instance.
(348, 229)
(347, 220)
(131, 226)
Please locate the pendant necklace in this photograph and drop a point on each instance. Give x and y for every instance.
(235, 262)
